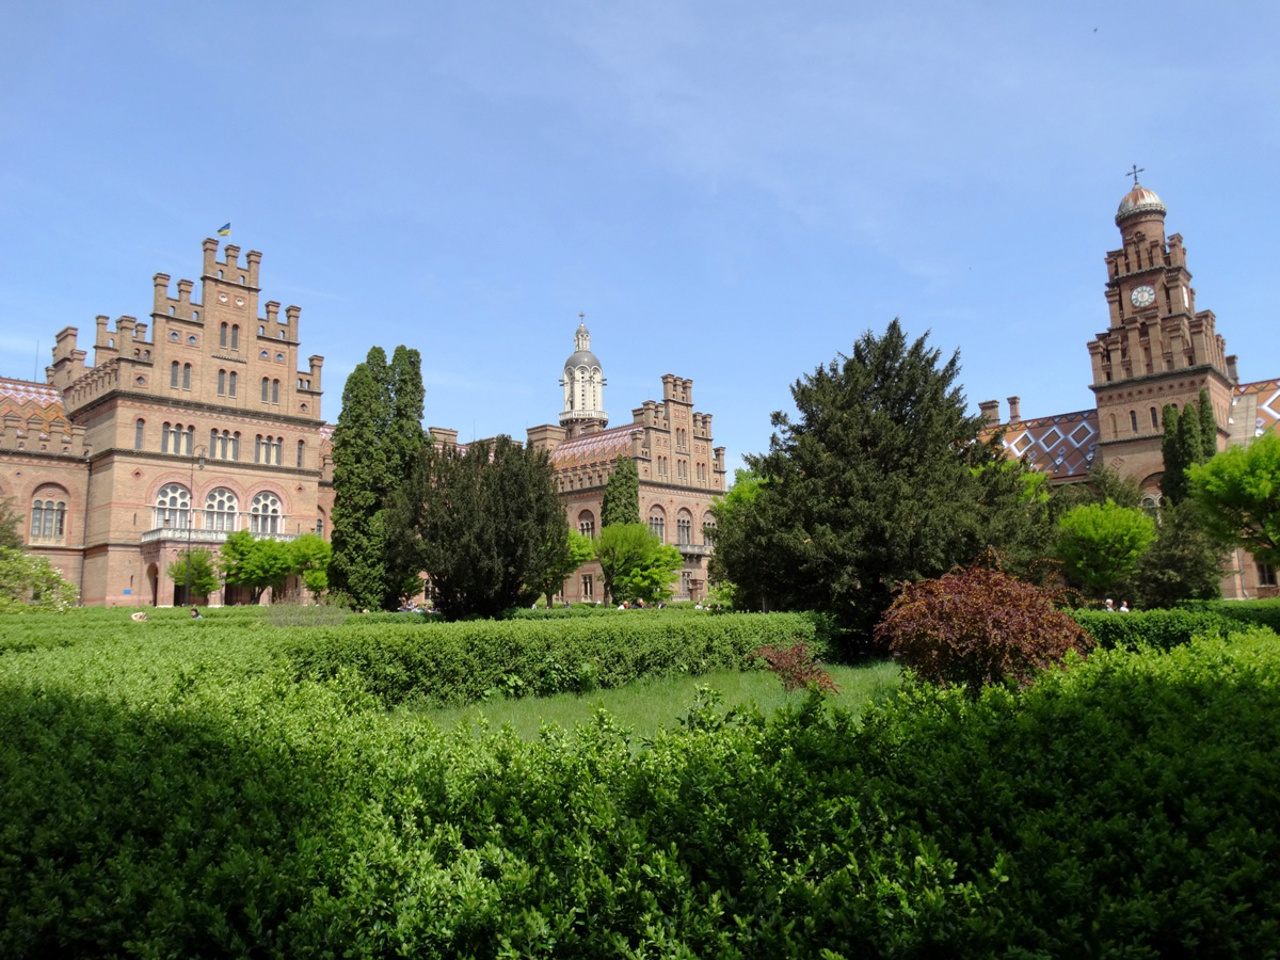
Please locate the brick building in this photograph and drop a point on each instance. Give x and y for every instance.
(681, 470)
(1157, 349)
(186, 426)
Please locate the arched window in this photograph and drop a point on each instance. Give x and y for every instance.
(279, 451)
(173, 374)
(320, 525)
(257, 448)
(264, 513)
(213, 446)
(235, 445)
(587, 523)
(708, 523)
(266, 385)
(235, 336)
(220, 508)
(1133, 420)
(658, 522)
(138, 429)
(1155, 419)
(164, 437)
(186, 376)
(48, 516)
(222, 383)
(231, 384)
(222, 335)
(191, 439)
(275, 391)
(173, 506)
(301, 447)
(684, 527)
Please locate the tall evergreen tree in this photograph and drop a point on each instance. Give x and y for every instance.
(621, 495)
(877, 481)
(483, 524)
(376, 441)
(1190, 437)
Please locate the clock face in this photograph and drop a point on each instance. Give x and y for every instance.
(1143, 296)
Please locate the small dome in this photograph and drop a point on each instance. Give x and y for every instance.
(581, 358)
(1139, 200)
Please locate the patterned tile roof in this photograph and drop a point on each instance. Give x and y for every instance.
(25, 391)
(1262, 398)
(24, 399)
(1061, 445)
(603, 447)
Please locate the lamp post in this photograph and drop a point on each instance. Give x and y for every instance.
(197, 460)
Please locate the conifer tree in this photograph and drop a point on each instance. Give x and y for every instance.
(1189, 437)
(483, 524)
(621, 495)
(376, 441)
(877, 481)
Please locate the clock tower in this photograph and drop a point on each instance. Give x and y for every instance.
(1157, 349)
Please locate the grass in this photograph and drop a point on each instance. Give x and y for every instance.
(648, 706)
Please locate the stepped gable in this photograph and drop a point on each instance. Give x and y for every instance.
(604, 446)
(1062, 446)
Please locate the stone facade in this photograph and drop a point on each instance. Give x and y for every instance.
(201, 406)
(681, 470)
(1157, 350)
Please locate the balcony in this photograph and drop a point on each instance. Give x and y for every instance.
(694, 549)
(203, 537)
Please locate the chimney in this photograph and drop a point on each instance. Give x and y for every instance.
(1014, 409)
(990, 412)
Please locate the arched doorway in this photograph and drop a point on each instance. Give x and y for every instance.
(153, 581)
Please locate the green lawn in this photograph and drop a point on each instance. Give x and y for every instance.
(648, 706)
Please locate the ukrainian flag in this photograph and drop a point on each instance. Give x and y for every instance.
(224, 230)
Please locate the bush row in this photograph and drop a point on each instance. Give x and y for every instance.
(1125, 807)
(1151, 629)
(459, 663)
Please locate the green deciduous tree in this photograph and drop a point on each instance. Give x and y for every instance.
(309, 557)
(255, 563)
(1237, 494)
(562, 560)
(635, 564)
(32, 583)
(196, 571)
(1100, 544)
(621, 502)
(376, 442)
(878, 480)
(483, 524)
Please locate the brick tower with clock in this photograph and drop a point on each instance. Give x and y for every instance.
(1158, 349)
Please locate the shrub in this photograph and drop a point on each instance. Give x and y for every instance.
(978, 626)
(1150, 629)
(797, 668)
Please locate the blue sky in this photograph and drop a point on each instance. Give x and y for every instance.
(731, 192)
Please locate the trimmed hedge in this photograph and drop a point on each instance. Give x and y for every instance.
(459, 663)
(1151, 629)
(161, 796)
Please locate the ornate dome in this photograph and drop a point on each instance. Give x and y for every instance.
(582, 357)
(1139, 200)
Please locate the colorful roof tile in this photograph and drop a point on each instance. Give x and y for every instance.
(603, 447)
(1061, 446)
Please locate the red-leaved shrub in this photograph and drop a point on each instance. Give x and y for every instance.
(796, 667)
(978, 626)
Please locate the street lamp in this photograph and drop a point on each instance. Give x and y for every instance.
(197, 460)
